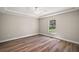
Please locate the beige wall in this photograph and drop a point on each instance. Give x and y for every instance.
(44, 23)
(12, 26)
(67, 25)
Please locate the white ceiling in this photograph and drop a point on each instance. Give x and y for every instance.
(34, 11)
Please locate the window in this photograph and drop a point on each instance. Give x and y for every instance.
(52, 26)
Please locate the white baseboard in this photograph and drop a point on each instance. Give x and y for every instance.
(46, 35)
(18, 37)
(61, 38)
(42, 34)
(68, 40)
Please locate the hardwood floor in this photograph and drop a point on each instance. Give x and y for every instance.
(38, 43)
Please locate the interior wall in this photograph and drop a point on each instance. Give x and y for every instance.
(44, 23)
(12, 26)
(67, 25)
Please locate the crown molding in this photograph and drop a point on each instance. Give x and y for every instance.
(12, 12)
(4, 10)
(60, 12)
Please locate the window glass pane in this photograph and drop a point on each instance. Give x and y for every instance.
(52, 25)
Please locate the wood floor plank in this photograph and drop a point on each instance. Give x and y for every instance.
(38, 43)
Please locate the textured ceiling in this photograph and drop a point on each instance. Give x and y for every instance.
(33, 11)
